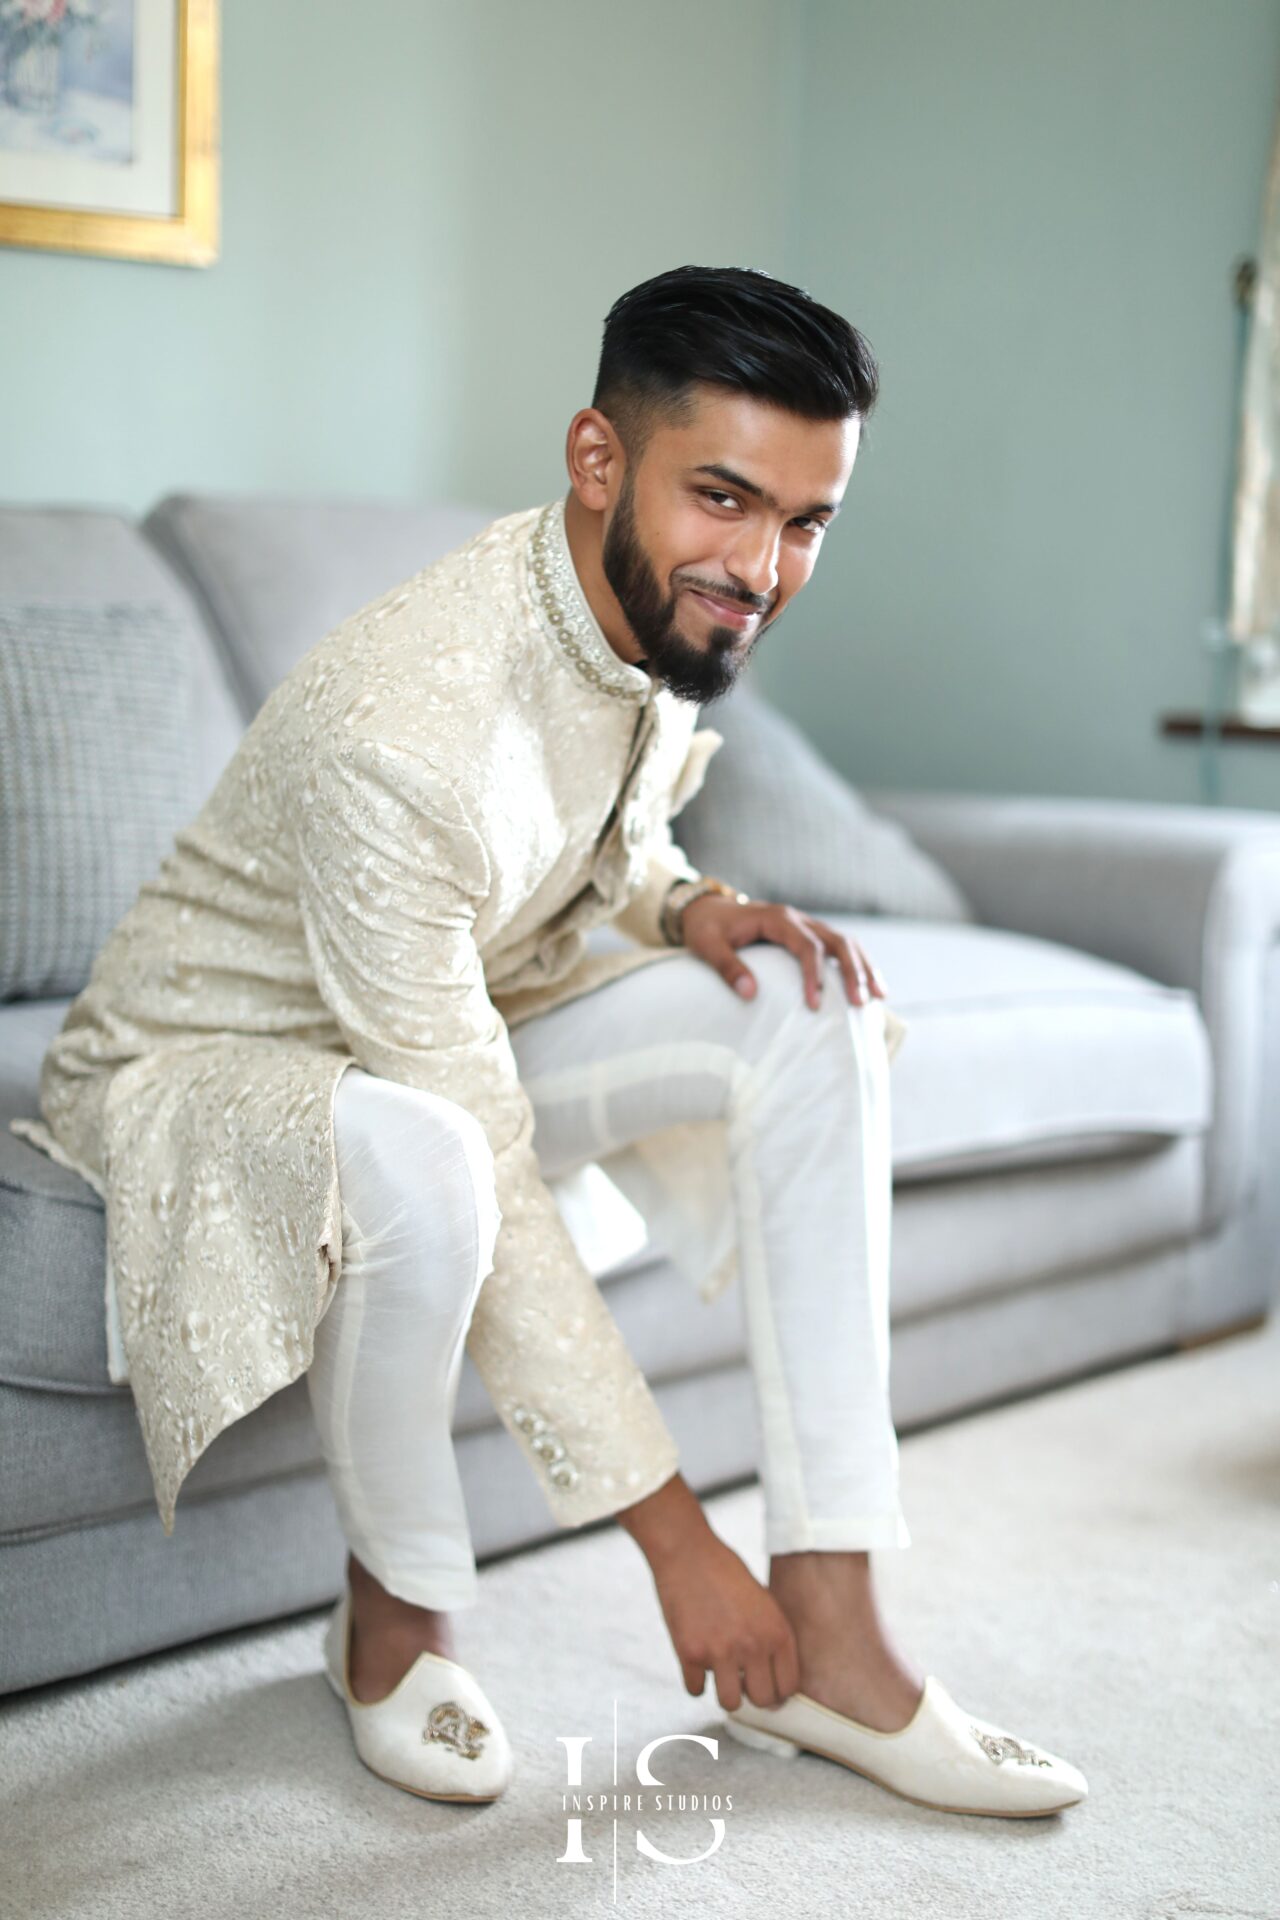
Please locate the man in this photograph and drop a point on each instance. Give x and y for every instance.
(333, 1022)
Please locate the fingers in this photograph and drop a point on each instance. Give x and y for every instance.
(761, 1666)
(766, 1678)
(724, 959)
(740, 977)
(811, 941)
(695, 1678)
(862, 979)
(853, 980)
(785, 927)
(760, 1685)
(728, 1685)
(793, 933)
(878, 983)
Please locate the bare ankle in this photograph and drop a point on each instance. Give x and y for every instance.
(823, 1566)
(382, 1617)
(825, 1588)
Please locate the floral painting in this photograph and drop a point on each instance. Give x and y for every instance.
(68, 78)
(108, 127)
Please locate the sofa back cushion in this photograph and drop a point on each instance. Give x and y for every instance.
(115, 723)
(96, 775)
(81, 556)
(777, 819)
(274, 576)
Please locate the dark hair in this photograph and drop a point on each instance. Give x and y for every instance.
(731, 327)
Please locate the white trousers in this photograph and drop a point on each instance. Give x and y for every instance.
(804, 1094)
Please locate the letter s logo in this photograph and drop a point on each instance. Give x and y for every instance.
(648, 1779)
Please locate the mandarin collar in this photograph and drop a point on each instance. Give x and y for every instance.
(565, 610)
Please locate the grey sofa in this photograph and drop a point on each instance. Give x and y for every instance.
(1086, 1116)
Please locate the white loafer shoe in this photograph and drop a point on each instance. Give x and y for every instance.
(944, 1757)
(435, 1734)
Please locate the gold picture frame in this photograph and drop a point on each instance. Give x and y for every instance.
(188, 237)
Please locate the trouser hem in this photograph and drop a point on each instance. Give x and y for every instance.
(839, 1536)
(442, 1593)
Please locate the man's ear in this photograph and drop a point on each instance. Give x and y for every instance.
(595, 459)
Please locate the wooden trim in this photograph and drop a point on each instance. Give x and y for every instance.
(1230, 726)
(190, 238)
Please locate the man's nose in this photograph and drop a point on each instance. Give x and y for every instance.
(753, 562)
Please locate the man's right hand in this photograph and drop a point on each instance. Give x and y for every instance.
(720, 1618)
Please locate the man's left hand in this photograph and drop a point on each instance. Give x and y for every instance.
(713, 927)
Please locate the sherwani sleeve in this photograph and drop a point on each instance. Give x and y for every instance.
(641, 918)
(392, 875)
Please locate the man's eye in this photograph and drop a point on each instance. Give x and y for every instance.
(805, 520)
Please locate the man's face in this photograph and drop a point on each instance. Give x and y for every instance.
(716, 528)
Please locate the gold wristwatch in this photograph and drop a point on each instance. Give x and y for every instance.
(681, 893)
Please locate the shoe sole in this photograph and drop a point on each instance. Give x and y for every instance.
(797, 1747)
(470, 1799)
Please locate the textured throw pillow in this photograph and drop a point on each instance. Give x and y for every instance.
(97, 773)
(774, 817)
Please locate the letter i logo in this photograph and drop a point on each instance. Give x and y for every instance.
(573, 1855)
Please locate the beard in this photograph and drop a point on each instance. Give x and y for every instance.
(692, 672)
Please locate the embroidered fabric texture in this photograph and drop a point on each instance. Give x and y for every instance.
(1003, 1746)
(454, 1727)
(402, 857)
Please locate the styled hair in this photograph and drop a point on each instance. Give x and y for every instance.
(730, 327)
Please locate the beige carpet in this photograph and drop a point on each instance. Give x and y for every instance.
(1097, 1569)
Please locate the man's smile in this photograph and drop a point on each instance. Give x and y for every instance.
(730, 611)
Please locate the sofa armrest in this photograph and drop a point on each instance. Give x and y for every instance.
(1187, 895)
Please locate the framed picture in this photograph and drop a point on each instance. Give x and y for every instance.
(109, 127)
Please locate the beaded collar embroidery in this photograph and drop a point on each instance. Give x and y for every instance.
(560, 601)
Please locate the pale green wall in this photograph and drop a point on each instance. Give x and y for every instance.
(312, 355)
(616, 140)
(428, 206)
(1031, 209)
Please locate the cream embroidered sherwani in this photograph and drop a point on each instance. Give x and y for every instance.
(400, 861)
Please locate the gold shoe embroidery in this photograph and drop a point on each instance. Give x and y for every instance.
(1003, 1746)
(454, 1727)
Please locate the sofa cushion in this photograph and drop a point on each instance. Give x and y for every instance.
(84, 556)
(275, 576)
(97, 714)
(1020, 1050)
(776, 818)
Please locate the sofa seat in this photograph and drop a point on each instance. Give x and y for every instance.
(1022, 1051)
(986, 1083)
